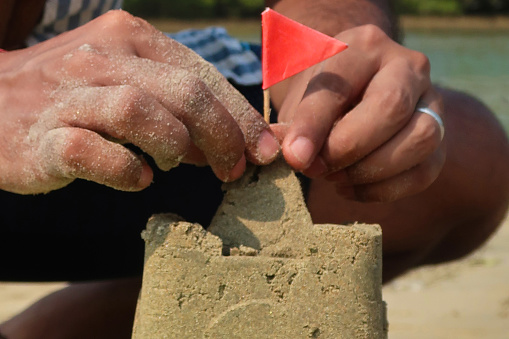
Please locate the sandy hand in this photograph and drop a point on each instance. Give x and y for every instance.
(352, 120)
(69, 104)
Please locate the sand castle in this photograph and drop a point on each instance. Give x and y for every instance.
(261, 270)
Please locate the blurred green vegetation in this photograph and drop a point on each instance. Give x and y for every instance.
(429, 7)
(451, 7)
(191, 9)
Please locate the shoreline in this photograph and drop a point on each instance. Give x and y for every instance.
(467, 23)
(407, 22)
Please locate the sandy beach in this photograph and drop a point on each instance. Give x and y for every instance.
(465, 299)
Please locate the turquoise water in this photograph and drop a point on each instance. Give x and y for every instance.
(473, 62)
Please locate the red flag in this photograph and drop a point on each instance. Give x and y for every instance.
(290, 47)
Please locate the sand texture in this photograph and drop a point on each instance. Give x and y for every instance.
(263, 270)
(465, 299)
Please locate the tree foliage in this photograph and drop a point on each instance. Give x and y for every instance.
(485, 6)
(451, 7)
(429, 7)
(189, 9)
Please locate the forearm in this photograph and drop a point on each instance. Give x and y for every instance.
(334, 16)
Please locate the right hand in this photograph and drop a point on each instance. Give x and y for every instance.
(352, 119)
(68, 104)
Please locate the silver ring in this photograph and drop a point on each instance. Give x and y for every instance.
(435, 116)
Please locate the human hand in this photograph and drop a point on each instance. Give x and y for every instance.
(69, 104)
(351, 119)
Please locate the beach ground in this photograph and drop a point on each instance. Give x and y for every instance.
(465, 299)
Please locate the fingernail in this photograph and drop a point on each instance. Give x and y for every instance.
(146, 175)
(268, 147)
(237, 170)
(302, 149)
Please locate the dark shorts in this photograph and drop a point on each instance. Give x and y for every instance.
(86, 231)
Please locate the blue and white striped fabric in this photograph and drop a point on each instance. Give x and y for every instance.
(63, 15)
(236, 60)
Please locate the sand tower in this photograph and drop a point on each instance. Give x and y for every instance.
(261, 270)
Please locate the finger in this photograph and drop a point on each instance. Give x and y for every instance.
(386, 107)
(411, 146)
(328, 95)
(337, 85)
(128, 114)
(211, 127)
(133, 39)
(405, 184)
(79, 153)
(261, 144)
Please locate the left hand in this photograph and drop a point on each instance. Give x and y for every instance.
(351, 119)
(70, 104)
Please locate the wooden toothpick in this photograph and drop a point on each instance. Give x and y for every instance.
(266, 105)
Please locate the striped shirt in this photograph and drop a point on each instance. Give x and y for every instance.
(236, 60)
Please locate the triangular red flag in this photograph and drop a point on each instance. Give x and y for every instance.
(289, 47)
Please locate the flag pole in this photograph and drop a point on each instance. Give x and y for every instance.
(266, 105)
